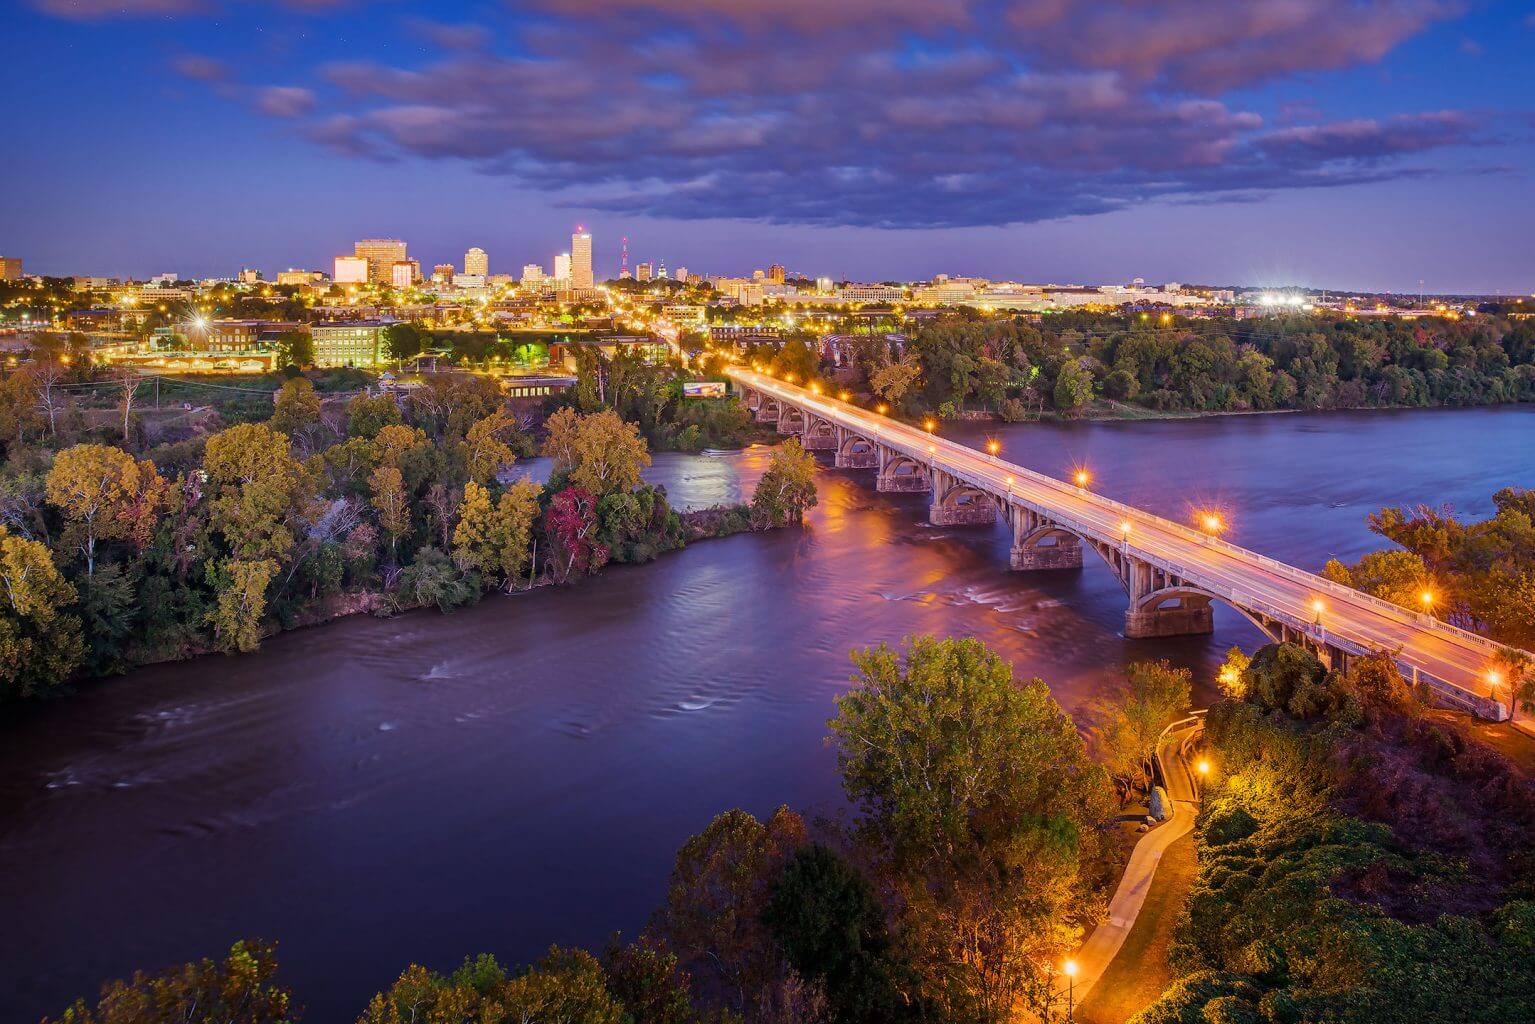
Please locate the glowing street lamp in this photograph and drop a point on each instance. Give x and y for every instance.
(1081, 478)
(1070, 968)
(1212, 523)
(993, 446)
(815, 387)
(929, 425)
(882, 408)
(846, 396)
(1426, 599)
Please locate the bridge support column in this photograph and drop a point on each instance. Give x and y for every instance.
(767, 411)
(946, 511)
(849, 458)
(890, 481)
(819, 436)
(1176, 614)
(1037, 546)
(787, 419)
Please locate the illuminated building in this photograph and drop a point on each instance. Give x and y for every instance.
(351, 270)
(402, 274)
(359, 343)
(580, 260)
(10, 268)
(382, 254)
(476, 263)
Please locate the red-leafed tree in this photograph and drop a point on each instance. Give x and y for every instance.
(571, 526)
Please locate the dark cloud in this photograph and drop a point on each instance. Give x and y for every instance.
(882, 112)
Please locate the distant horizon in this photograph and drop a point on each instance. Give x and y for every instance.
(1089, 142)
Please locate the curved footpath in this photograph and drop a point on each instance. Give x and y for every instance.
(1105, 942)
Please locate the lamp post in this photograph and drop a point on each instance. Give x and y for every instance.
(1317, 608)
(1071, 990)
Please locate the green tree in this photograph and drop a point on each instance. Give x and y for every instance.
(103, 493)
(261, 491)
(566, 987)
(366, 415)
(722, 880)
(494, 538)
(1073, 386)
(487, 450)
(295, 348)
(402, 341)
(787, 489)
(241, 586)
(1154, 694)
(895, 380)
(980, 807)
(389, 500)
(600, 453)
(639, 525)
(646, 980)
(40, 643)
(240, 990)
(296, 409)
(825, 918)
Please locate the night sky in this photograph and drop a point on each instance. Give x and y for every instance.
(1368, 144)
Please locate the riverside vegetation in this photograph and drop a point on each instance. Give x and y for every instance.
(116, 552)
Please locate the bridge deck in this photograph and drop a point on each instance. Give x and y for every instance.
(1454, 659)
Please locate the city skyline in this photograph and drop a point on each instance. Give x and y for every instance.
(1081, 142)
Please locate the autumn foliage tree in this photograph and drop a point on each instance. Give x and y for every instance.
(40, 640)
(787, 489)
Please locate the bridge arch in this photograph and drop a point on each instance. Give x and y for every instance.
(962, 504)
(1189, 608)
(902, 473)
(791, 420)
(820, 434)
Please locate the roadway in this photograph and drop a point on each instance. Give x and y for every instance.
(1246, 580)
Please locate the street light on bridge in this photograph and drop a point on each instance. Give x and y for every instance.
(1081, 477)
(882, 408)
(993, 446)
(929, 425)
(1212, 523)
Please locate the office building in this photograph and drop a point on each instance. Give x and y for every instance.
(250, 275)
(682, 274)
(580, 260)
(562, 269)
(359, 343)
(402, 274)
(532, 275)
(382, 254)
(644, 272)
(10, 268)
(350, 270)
(776, 273)
(295, 276)
(476, 263)
(443, 273)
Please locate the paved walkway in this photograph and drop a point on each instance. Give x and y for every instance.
(1106, 940)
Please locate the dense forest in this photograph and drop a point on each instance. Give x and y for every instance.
(1067, 362)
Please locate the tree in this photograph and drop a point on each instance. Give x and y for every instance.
(600, 452)
(566, 987)
(240, 990)
(402, 342)
(40, 643)
(1154, 694)
(1073, 386)
(432, 579)
(825, 918)
(638, 525)
(241, 586)
(296, 409)
(103, 493)
(366, 415)
(260, 489)
(787, 489)
(295, 348)
(980, 808)
(719, 886)
(389, 500)
(494, 539)
(645, 979)
(488, 452)
(895, 380)
(571, 526)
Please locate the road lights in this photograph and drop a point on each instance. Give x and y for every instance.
(1070, 967)
(1081, 477)
(993, 446)
(929, 424)
(1211, 523)
(882, 408)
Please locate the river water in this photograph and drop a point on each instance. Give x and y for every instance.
(374, 792)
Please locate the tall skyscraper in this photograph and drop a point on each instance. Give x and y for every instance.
(562, 268)
(644, 272)
(776, 273)
(476, 262)
(532, 274)
(580, 259)
(10, 268)
(382, 254)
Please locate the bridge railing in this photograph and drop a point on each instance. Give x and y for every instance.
(918, 449)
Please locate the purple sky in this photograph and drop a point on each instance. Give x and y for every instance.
(1364, 144)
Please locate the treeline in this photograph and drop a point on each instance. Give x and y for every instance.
(1067, 362)
(1358, 861)
(113, 557)
(973, 864)
(649, 394)
(1478, 575)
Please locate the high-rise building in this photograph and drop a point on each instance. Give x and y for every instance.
(682, 274)
(759, 275)
(562, 268)
(402, 274)
(476, 262)
(10, 268)
(442, 273)
(580, 260)
(351, 270)
(250, 275)
(382, 254)
(776, 273)
(532, 274)
(644, 272)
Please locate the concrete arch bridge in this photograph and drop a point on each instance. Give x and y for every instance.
(1172, 574)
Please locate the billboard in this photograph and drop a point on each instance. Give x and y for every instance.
(703, 389)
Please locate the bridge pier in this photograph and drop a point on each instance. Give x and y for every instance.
(854, 451)
(892, 479)
(1038, 545)
(819, 436)
(1157, 622)
(1163, 605)
(958, 504)
(767, 411)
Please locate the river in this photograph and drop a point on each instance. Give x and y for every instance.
(374, 792)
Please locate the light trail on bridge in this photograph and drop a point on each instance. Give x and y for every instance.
(1284, 601)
